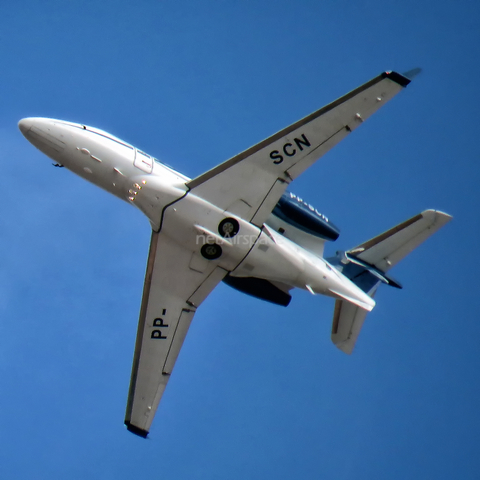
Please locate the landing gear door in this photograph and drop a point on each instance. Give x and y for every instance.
(143, 161)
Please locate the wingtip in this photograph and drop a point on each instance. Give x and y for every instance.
(343, 346)
(397, 78)
(136, 430)
(403, 79)
(438, 215)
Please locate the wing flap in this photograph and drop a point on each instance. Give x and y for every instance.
(295, 170)
(179, 335)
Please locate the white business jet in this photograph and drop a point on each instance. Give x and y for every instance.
(236, 223)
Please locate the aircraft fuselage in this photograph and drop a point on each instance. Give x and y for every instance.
(161, 194)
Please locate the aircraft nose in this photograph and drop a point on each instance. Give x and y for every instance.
(25, 124)
(43, 134)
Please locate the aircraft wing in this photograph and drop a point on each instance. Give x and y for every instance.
(251, 183)
(175, 285)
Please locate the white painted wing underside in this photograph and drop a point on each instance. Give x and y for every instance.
(172, 292)
(250, 184)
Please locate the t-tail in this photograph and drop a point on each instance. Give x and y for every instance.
(367, 266)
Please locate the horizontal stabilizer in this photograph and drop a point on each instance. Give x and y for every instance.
(347, 322)
(366, 304)
(387, 249)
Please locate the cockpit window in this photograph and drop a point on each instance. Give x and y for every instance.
(96, 131)
(109, 136)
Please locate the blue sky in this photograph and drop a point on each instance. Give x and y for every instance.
(258, 391)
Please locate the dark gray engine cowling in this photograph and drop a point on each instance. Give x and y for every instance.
(294, 211)
(259, 288)
(296, 220)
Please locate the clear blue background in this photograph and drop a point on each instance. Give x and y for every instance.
(258, 391)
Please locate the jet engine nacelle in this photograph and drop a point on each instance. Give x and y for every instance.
(301, 215)
(301, 223)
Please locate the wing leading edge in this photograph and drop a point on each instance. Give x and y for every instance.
(251, 183)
